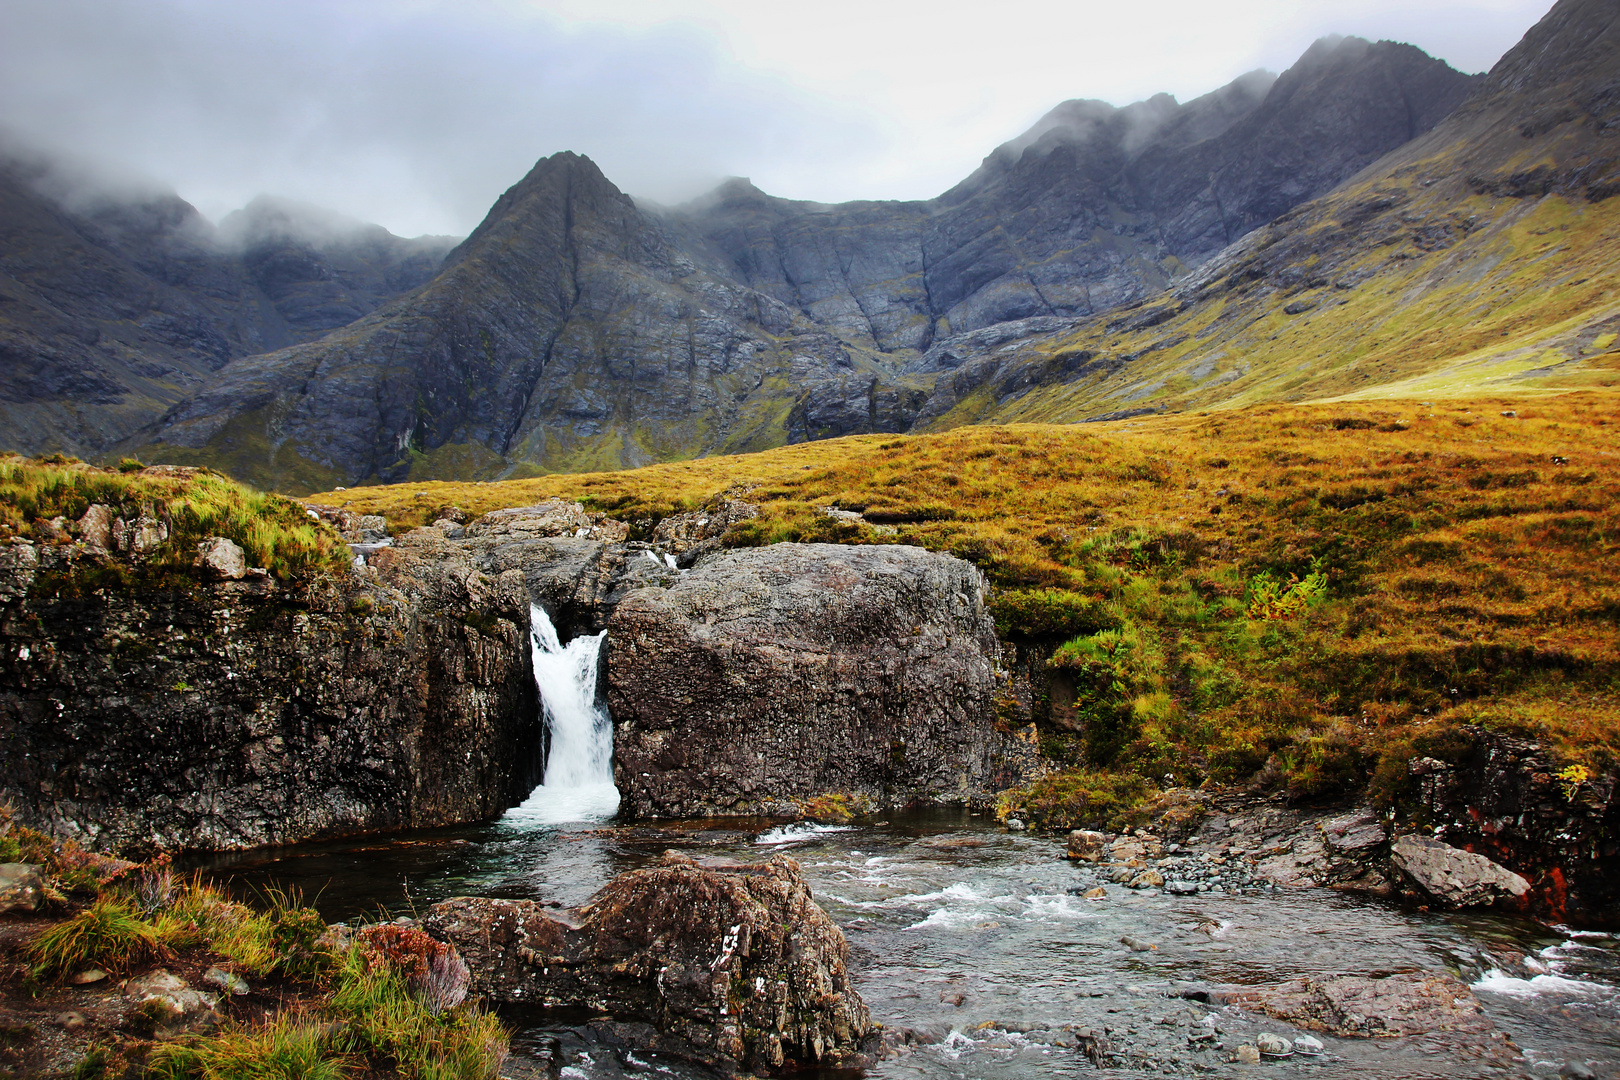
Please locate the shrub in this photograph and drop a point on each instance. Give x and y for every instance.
(1082, 799)
(1269, 598)
(1048, 613)
(432, 970)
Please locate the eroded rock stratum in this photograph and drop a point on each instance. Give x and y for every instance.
(228, 709)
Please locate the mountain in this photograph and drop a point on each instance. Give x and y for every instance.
(118, 301)
(569, 329)
(1092, 208)
(322, 270)
(575, 330)
(1479, 256)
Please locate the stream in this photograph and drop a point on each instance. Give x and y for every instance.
(978, 939)
(953, 923)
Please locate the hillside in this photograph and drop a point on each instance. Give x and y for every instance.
(1478, 258)
(1310, 593)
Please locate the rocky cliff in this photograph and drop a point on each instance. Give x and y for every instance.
(219, 713)
(1092, 208)
(1503, 797)
(1478, 254)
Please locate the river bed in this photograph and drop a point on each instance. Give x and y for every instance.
(977, 940)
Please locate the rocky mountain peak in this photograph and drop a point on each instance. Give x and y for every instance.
(1575, 48)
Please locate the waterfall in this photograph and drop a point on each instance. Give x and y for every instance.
(578, 784)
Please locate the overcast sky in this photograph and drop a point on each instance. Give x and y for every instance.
(417, 114)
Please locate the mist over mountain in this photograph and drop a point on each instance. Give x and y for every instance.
(574, 329)
(117, 298)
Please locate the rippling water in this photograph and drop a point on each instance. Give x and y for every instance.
(970, 936)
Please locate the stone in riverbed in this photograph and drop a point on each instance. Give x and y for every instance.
(1414, 1003)
(1452, 876)
(1087, 846)
(1147, 879)
(736, 963)
(21, 887)
(1272, 1045)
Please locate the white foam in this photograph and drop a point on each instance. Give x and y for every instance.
(1060, 906)
(1495, 982)
(557, 805)
(798, 833)
(956, 1044)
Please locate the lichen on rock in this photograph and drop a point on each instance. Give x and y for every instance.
(732, 965)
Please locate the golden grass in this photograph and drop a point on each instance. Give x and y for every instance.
(1511, 304)
(273, 531)
(1468, 556)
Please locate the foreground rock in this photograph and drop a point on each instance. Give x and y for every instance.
(1452, 876)
(732, 966)
(773, 675)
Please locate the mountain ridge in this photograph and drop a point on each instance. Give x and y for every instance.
(607, 335)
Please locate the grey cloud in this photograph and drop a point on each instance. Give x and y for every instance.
(415, 116)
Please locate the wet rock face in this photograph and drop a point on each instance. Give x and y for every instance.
(1508, 799)
(732, 966)
(771, 675)
(233, 713)
(1453, 877)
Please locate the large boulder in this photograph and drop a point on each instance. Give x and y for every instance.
(732, 966)
(1452, 876)
(774, 675)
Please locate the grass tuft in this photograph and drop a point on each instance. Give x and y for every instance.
(109, 933)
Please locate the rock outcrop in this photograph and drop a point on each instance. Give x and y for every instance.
(772, 675)
(732, 966)
(232, 713)
(1453, 877)
(1508, 799)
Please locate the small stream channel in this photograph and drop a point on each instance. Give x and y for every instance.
(979, 940)
(953, 922)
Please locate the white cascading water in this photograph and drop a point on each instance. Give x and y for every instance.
(578, 783)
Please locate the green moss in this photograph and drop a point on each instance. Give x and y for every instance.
(1082, 799)
(1048, 613)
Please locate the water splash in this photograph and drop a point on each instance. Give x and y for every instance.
(578, 783)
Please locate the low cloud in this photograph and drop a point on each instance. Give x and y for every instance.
(416, 114)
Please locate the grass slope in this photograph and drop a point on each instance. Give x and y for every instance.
(1309, 592)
